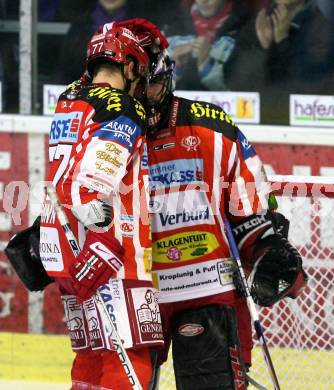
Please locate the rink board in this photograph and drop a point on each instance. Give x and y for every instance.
(24, 156)
(40, 358)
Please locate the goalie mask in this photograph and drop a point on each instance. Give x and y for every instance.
(161, 82)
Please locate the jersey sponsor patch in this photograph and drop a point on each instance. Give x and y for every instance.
(184, 247)
(167, 145)
(65, 127)
(191, 330)
(180, 209)
(75, 322)
(144, 158)
(225, 271)
(126, 223)
(176, 172)
(49, 249)
(123, 130)
(147, 317)
(247, 149)
(110, 160)
(193, 280)
(209, 111)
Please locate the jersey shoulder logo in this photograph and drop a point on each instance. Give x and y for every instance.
(65, 127)
(111, 98)
(121, 130)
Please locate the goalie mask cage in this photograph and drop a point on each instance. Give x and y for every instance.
(300, 332)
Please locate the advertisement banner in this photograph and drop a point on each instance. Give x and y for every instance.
(312, 110)
(50, 96)
(242, 107)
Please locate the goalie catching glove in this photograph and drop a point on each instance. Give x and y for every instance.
(100, 259)
(272, 265)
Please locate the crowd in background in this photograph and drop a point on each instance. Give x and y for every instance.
(274, 47)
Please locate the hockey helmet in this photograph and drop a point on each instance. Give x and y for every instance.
(116, 44)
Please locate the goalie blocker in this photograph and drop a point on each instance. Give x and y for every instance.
(272, 265)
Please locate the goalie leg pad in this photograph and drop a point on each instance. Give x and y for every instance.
(154, 383)
(206, 351)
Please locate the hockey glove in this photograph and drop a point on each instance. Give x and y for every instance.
(273, 266)
(100, 259)
(280, 223)
(278, 273)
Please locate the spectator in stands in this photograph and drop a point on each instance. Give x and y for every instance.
(9, 10)
(300, 45)
(48, 10)
(290, 44)
(61, 10)
(327, 8)
(65, 12)
(208, 44)
(9, 66)
(73, 51)
(9, 59)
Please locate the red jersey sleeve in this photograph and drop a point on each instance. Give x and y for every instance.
(248, 188)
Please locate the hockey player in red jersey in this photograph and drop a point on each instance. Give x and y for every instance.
(98, 165)
(202, 168)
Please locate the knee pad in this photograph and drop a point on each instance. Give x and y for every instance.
(206, 351)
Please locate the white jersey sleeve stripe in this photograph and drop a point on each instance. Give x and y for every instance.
(232, 158)
(254, 165)
(217, 170)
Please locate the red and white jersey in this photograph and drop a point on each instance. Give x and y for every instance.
(97, 150)
(201, 167)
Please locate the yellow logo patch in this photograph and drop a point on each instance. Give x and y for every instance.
(200, 110)
(114, 100)
(184, 247)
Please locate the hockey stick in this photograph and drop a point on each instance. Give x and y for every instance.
(121, 352)
(251, 305)
(254, 383)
